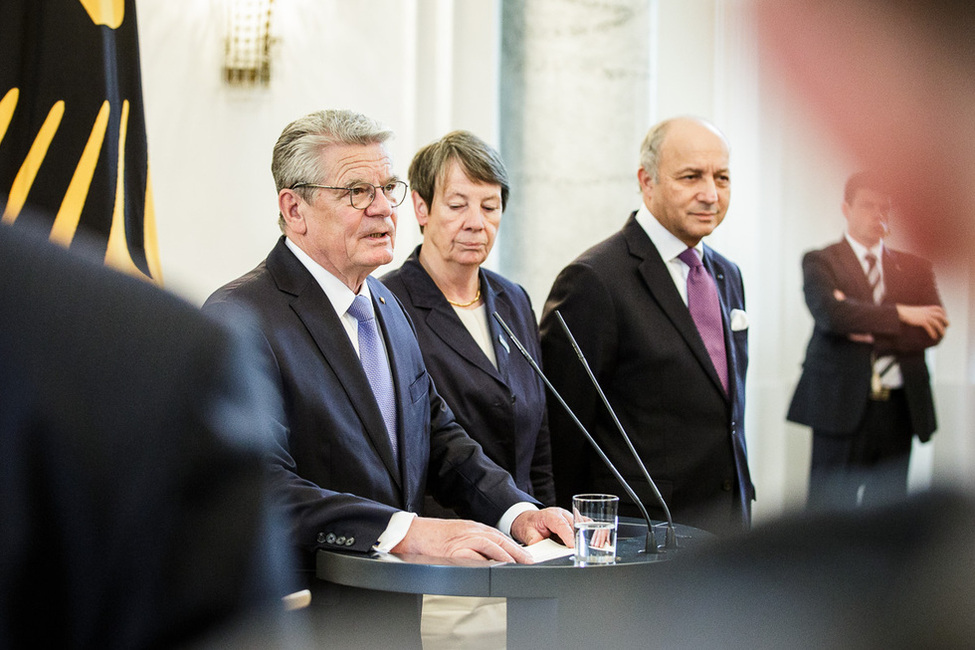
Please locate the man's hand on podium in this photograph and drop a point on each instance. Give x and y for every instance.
(535, 525)
(462, 538)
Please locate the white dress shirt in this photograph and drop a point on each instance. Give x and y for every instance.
(669, 248)
(476, 322)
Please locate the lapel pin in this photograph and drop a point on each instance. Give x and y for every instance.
(504, 343)
(382, 300)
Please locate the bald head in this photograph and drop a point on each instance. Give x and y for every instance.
(685, 178)
(653, 141)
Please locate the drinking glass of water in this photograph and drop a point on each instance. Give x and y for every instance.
(595, 520)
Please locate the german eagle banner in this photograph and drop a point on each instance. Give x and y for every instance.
(73, 154)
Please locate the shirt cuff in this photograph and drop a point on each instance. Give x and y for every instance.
(399, 524)
(509, 516)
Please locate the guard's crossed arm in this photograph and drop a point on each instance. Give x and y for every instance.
(932, 318)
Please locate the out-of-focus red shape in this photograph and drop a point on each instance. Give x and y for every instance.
(894, 80)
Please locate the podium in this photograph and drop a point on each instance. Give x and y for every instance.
(550, 604)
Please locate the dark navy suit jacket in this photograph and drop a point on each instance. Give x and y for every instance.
(833, 391)
(133, 507)
(333, 460)
(502, 408)
(620, 302)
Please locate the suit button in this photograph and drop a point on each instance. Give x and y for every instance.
(728, 485)
(350, 541)
(340, 540)
(514, 398)
(321, 538)
(330, 538)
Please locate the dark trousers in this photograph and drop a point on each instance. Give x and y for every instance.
(868, 466)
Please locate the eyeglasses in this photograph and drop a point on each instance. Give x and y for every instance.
(361, 195)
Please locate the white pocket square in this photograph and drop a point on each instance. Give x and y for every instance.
(739, 320)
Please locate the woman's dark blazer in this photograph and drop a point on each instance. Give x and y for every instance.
(502, 408)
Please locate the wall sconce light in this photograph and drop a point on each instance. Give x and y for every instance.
(247, 57)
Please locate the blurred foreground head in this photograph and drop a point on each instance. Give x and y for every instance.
(894, 80)
(134, 506)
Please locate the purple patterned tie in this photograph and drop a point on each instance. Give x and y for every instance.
(375, 364)
(702, 301)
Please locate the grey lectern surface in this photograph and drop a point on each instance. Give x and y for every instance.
(550, 604)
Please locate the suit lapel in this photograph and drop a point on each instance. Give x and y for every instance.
(316, 313)
(893, 275)
(444, 323)
(399, 337)
(494, 302)
(724, 292)
(849, 266)
(447, 326)
(660, 284)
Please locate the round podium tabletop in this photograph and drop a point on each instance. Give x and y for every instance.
(546, 600)
(420, 574)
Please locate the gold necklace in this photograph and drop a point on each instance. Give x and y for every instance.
(466, 304)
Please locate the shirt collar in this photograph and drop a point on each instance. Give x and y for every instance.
(663, 240)
(335, 290)
(877, 250)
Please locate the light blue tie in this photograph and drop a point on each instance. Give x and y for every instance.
(374, 362)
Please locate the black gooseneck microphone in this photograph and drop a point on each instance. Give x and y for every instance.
(671, 536)
(650, 546)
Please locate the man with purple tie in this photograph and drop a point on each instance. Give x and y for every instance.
(661, 320)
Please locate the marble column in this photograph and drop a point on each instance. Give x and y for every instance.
(576, 80)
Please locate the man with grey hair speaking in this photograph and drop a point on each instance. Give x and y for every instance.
(364, 431)
(661, 320)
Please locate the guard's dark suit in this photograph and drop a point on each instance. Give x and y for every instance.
(833, 393)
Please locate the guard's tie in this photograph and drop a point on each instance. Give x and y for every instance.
(873, 278)
(881, 365)
(374, 362)
(702, 301)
